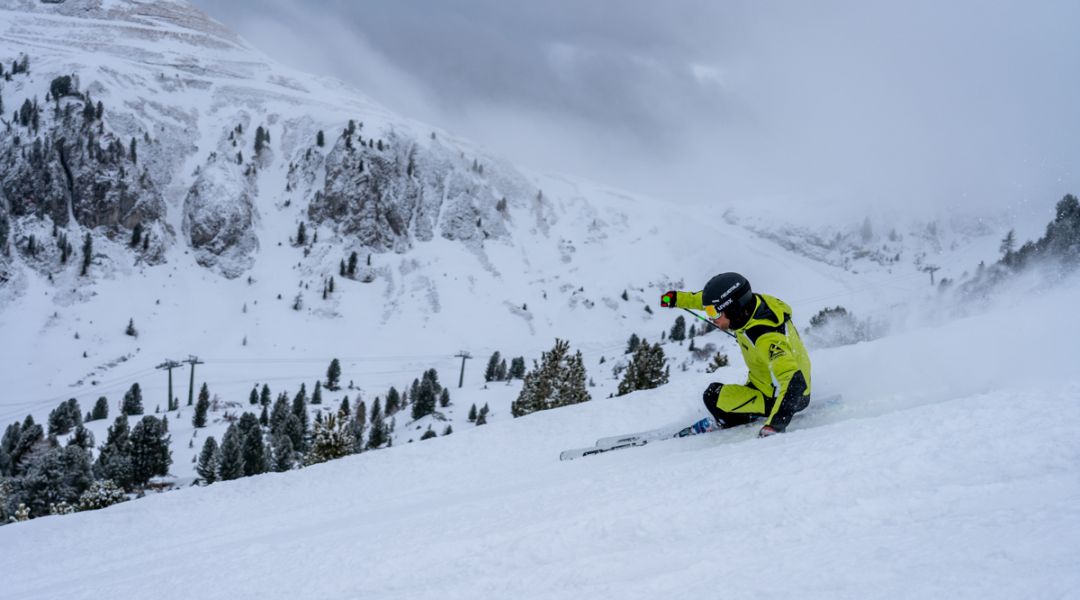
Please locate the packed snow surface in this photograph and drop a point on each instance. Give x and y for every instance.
(950, 468)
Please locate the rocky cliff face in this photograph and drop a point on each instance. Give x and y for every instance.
(390, 194)
(59, 161)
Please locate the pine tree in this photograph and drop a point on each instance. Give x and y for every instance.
(208, 461)
(377, 436)
(299, 409)
(447, 431)
(253, 452)
(646, 371)
(331, 440)
(131, 329)
(333, 375)
(202, 407)
(280, 413)
(114, 457)
(444, 398)
(316, 396)
(351, 270)
(472, 413)
(502, 373)
(481, 419)
(82, 438)
(101, 494)
(65, 417)
(393, 401)
(253, 397)
(132, 404)
(517, 368)
(320, 139)
(344, 411)
(88, 254)
(284, 454)
(424, 402)
(492, 367)
(559, 380)
(678, 330)
(428, 434)
(301, 234)
(150, 455)
(264, 395)
(55, 478)
(231, 457)
(632, 344)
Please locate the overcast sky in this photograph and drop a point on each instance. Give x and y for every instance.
(821, 103)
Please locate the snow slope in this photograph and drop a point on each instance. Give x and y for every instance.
(950, 468)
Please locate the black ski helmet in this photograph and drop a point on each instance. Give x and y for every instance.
(729, 293)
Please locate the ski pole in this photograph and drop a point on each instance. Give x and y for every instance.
(709, 322)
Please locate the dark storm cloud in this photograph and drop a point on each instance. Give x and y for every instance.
(852, 102)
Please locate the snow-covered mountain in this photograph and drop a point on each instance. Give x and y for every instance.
(192, 178)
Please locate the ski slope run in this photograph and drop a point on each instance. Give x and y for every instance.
(951, 469)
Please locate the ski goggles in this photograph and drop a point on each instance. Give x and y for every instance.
(711, 311)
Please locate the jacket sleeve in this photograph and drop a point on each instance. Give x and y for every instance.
(785, 369)
(690, 300)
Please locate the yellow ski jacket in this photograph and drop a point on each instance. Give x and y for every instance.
(771, 348)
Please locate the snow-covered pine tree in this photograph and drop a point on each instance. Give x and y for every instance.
(430, 433)
(253, 397)
(59, 475)
(114, 457)
(202, 407)
(444, 398)
(284, 453)
(559, 380)
(150, 455)
(517, 368)
(501, 373)
(100, 494)
(280, 413)
(231, 457)
(331, 440)
(82, 438)
(492, 367)
(424, 402)
(678, 330)
(344, 411)
(393, 401)
(333, 375)
(646, 371)
(264, 395)
(101, 409)
(132, 403)
(316, 395)
(207, 467)
(377, 434)
(632, 344)
(254, 452)
(299, 409)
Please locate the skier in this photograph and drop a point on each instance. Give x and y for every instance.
(778, 385)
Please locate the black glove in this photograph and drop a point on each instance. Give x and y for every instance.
(712, 393)
(668, 299)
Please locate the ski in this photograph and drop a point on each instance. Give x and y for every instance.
(636, 439)
(641, 438)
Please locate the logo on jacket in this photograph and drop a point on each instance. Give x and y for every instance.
(776, 351)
